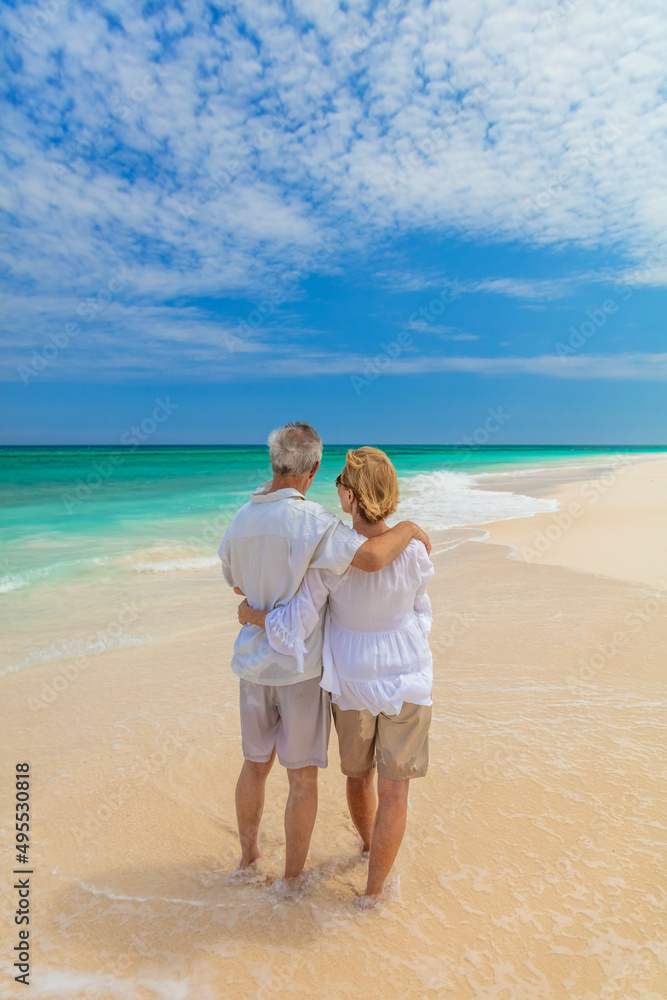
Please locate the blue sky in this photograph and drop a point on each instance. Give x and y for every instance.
(386, 219)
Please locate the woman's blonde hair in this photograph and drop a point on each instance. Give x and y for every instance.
(372, 478)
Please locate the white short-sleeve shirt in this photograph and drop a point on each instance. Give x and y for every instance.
(266, 551)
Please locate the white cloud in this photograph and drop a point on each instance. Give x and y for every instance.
(439, 331)
(520, 122)
(643, 367)
(524, 289)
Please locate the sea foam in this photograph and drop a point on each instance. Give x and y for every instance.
(17, 581)
(446, 499)
(170, 556)
(172, 565)
(99, 643)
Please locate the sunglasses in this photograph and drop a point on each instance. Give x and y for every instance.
(339, 482)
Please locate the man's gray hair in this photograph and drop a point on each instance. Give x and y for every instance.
(294, 449)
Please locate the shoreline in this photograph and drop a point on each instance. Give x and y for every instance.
(611, 526)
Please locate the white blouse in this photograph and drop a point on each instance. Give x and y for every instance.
(376, 653)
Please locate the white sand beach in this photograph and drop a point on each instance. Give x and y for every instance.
(533, 863)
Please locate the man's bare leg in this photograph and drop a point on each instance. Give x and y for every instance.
(387, 832)
(250, 805)
(362, 803)
(300, 814)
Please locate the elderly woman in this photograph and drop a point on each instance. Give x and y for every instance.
(377, 662)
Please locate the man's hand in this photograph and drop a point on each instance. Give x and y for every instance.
(382, 549)
(237, 590)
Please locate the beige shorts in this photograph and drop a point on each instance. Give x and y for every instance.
(399, 742)
(293, 718)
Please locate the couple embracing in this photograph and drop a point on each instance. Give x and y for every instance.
(334, 619)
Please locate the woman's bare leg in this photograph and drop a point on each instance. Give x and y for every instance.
(362, 803)
(387, 833)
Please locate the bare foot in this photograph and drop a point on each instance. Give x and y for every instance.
(363, 849)
(252, 874)
(359, 859)
(369, 902)
(253, 856)
(290, 890)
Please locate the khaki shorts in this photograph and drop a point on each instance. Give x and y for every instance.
(400, 742)
(293, 718)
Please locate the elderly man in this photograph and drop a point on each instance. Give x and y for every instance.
(265, 553)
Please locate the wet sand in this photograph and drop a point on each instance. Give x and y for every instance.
(533, 863)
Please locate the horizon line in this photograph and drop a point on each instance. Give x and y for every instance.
(413, 444)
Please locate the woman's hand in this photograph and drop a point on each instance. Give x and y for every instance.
(244, 609)
(251, 616)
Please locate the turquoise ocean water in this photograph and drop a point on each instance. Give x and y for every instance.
(82, 529)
